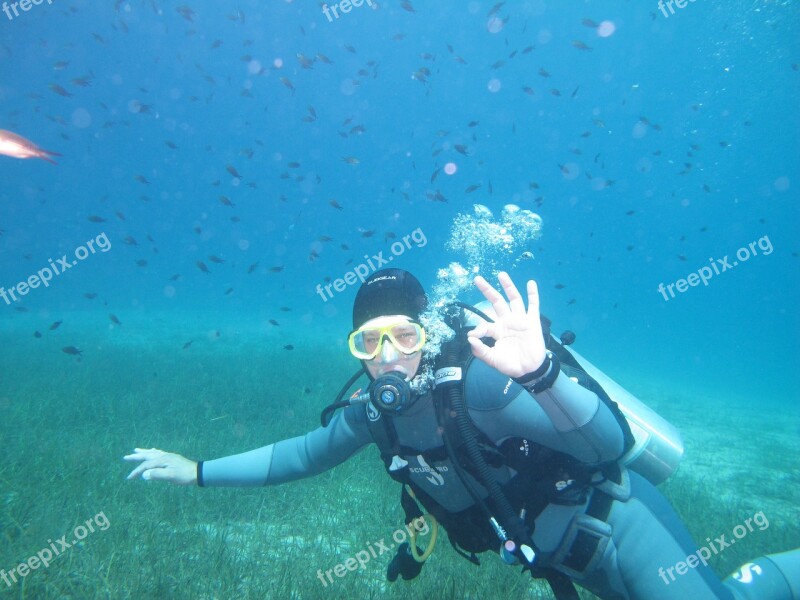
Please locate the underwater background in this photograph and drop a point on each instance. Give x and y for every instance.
(228, 160)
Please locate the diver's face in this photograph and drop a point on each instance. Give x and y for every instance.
(389, 359)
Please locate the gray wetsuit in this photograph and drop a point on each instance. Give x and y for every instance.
(645, 537)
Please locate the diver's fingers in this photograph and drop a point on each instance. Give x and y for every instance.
(495, 331)
(512, 293)
(144, 454)
(533, 300)
(492, 295)
(145, 466)
(479, 349)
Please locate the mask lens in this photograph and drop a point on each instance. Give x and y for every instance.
(367, 342)
(406, 337)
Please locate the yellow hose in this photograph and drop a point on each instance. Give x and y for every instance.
(413, 535)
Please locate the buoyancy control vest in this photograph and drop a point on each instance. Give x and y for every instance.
(540, 475)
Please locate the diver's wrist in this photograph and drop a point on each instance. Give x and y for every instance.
(542, 378)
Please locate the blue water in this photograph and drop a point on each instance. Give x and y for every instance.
(672, 141)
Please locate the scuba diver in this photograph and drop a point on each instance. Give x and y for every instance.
(519, 452)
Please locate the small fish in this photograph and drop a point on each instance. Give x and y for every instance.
(559, 286)
(186, 12)
(36, 334)
(252, 268)
(495, 9)
(288, 347)
(527, 255)
(90, 295)
(232, 170)
(187, 344)
(95, 219)
(276, 269)
(351, 160)
(71, 350)
(17, 146)
(287, 83)
(114, 319)
(228, 292)
(59, 90)
(285, 309)
(274, 322)
(589, 23)
(472, 188)
(461, 149)
(202, 266)
(226, 201)
(82, 81)
(305, 62)
(55, 325)
(336, 205)
(215, 259)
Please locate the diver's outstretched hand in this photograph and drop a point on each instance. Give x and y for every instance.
(519, 344)
(162, 466)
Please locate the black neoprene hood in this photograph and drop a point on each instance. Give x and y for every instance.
(389, 292)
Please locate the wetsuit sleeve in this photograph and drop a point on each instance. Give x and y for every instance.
(294, 458)
(567, 417)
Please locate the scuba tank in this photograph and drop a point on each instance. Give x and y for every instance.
(659, 447)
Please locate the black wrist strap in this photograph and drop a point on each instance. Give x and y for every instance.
(200, 482)
(542, 378)
(537, 373)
